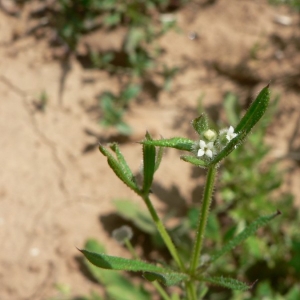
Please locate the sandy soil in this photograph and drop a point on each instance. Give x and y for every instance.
(52, 192)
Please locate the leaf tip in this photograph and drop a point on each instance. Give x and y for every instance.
(101, 148)
(253, 284)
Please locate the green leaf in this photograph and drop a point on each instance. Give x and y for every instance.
(229, 283)
(194, 160)
(115, 147)
(127, 291)
(264, 289)
(159, 152)
(166, 276)
(200, 124)
(112, 114)
(135, 36)
(159, 155)
(112, 19)
(169, 279)
(132, 212)
(102, 276)
(252, 116)
(119, 169)
(231, 108)
(123, 128)
(176, 142)
(248, 231)
(117, 286)
(94, 246)
(293, 294)
(255, 111)
(130, 92)
(148, 165)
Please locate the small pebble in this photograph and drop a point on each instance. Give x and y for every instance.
(34, 251)
(283, 20)
(192, 35)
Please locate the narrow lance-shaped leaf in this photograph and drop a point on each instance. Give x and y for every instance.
(176, 142)
(194, 160)
(229, 283)
(118, 169)
(117, 285)
(152, 272)
(255, 111)
(148, 164)
(252, 116)
(99, 274)
(122, 161)
(159, 155)
(167, 279)
(248, 231)
(232, 108)
(200, 124)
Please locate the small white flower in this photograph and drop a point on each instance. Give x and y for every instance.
(230, 133)
(206, 149)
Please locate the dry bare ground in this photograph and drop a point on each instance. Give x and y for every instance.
(52, 192)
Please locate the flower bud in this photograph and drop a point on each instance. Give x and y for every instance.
(210, 135)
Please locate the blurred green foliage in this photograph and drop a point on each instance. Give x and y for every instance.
(113, 107)
(137, 60)
(246, 192)
(295, 4)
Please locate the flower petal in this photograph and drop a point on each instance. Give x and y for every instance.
(200, 152)
(230, 130)
(202, 144)
(209, 153)
(210, 145)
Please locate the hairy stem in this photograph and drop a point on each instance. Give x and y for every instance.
(202, 220)
(163, 232)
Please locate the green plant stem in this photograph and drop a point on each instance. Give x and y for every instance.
(156, 284)
(202, 220)
(190, 290)
(131, 249)
(163, 232)
(161, 291)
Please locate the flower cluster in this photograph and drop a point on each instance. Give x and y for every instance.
(209, 147)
